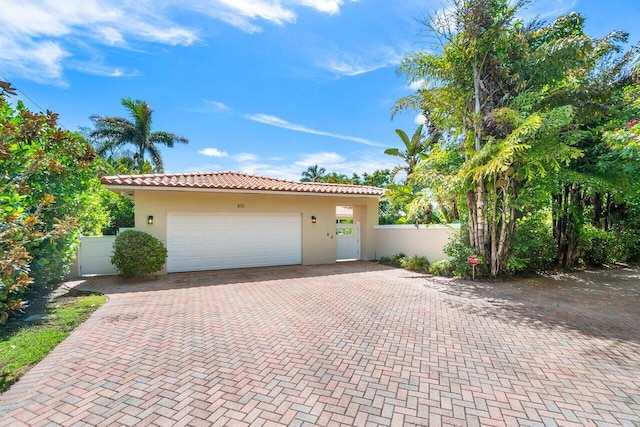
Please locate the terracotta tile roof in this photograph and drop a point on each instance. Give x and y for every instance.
(237, 181)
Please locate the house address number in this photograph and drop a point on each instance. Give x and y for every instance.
(240, 205)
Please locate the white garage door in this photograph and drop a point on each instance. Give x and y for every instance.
(218, 241)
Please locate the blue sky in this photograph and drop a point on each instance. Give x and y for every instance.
(268, 87)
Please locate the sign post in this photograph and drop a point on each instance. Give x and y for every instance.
(473, 260)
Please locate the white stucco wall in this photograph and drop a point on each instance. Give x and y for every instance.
(426, 241)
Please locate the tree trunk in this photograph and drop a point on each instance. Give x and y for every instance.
(477, 94)
(507, 225)
(482, 222)
(493, 226)
(454, 210)
(596, 200)
(607, 212)
(568, 210)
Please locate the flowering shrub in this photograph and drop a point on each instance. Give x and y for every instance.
(626, 139)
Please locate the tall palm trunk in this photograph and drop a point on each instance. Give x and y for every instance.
(478, 218)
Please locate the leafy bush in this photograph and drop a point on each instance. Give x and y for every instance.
(51, 260)
(396, 260)
(385, 260)
(46, 198)
(533, 247)
(628, 231)
(136, 253)
(442, 268)
(458, 249)
(598, 247)
(120, 212)
(415, 263)
(629, 245)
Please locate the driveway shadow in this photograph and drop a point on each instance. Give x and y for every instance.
(598, 303)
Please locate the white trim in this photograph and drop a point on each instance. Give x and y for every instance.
(129, 188)
(413, 226)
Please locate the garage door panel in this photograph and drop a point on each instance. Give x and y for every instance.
(219, 241)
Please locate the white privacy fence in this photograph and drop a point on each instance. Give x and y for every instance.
(94, 256)
(94, 253)
(426, 241)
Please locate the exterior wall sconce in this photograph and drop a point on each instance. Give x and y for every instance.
(313, 219)
(150, 220)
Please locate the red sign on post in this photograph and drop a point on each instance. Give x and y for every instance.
(473, 259)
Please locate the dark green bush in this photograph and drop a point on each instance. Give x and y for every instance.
(598, 247)
(415, 263)
(442, 268)
(629, 245)
(533, 247)
(136, 253)
(393, 261)
(459, 250)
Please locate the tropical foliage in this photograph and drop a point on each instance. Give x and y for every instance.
(414, 152)
(115, 133)
(314, 174)
(47, 197)
(517, 113)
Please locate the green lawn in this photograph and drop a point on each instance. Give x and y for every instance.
(24, 344)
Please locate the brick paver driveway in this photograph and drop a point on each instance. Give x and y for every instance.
(351, 344)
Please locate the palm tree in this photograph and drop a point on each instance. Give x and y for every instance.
(414, 152)
(313, 174)
(116, 132)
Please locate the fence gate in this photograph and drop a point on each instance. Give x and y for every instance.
(347, 241)
(94, 255)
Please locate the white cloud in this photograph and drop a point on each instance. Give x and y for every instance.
(326, 6)
(353, 65)
(245, 157)
(548, 9)
(358, 162)
(111, 36)
(418, 84)
(326, 159)
(281, 123)
(96, 68)
(23, 57)
(43, 34)
(354, 162)
(213, 152)
(215, 105)
(245, 14)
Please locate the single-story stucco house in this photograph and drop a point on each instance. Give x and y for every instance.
(219, 220)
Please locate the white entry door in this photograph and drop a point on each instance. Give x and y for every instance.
(348, 241)
(218, 241)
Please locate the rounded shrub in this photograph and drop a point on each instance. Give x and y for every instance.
(415, 263)
(136, 253)
(442, 268)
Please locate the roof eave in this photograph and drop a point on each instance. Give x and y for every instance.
(125, 189)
